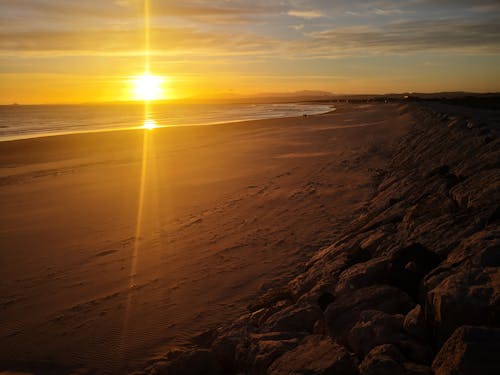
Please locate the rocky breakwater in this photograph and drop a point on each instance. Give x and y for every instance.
(413, 287)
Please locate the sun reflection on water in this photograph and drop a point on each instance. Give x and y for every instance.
(150, 124)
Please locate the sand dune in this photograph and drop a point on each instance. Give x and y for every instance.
(100, 271)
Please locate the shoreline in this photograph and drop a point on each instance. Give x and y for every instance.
(410, 286)
(232, 121)
(223, 212)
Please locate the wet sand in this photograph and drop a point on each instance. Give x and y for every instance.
(117, 245)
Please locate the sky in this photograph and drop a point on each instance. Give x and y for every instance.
(63, 51)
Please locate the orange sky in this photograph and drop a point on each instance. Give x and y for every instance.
(58, 51)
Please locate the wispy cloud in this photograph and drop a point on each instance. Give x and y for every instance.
(450, 35)
(307, 14)
(388, 12)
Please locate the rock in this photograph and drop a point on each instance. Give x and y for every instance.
(415, 324)
(205, 339)
(187, 362)
(371, 242)
(324, 268)
(415, 369)
(470, 350)
(363, 274)
(345, 311)
(269, 298)
(258, 317)
(324, 300)
(375, 328)
(294, 318)
(482, 249)
(226, 349)
(264, 351)
(462, 295)
(314, 356)
(471, 124)
(383, 360)
(478, 191)
(388, 360)
(319, 327)
(409, 265)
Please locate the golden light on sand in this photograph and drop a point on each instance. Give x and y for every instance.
(150, 124)
(148, 87)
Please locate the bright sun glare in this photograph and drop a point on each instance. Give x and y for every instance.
(148, 87)
(150, 124)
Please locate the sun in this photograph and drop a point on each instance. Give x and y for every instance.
(148, 87)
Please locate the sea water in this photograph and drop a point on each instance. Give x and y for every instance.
(27, 121)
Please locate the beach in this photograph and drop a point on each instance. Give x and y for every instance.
(119, 245)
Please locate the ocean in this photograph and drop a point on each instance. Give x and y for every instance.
(29, 121)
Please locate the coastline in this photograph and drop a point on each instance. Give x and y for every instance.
(410, 286)
(244, 118)
(227, 211)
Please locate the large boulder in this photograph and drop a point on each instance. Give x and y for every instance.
(409, 265)
(383, 360)
(342, 314)
(470, 350)
(231, 344)
(325, 266)
(294, 318)
(463, 295)
(363, 274)
(316, 355)
(265, 348)
(388, 360)
(375, 328)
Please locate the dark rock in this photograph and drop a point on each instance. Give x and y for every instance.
(388, 360)
(264, 349)
(494, 216)
(324, 268)
(324, 300)
(205, 339)
(480, 249)
(375, 328)
(363, 274)
(371, 242)
(479, 191)
(470, 350)
(460, 296)
(414, 323)
(442, 170)
(187, 362)
(258, 317)
(314, 356)
(409, 265)
(294, 318)
(226, 348)
(319, 327)
(269, 298)
(383, 360)
(345, 311)
(416, 369)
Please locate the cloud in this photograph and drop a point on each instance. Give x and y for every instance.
(165, 40)
(307, 14)
(97, 27)
(388, 12)
(450, 35)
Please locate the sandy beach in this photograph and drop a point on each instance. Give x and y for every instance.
(118, 245)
